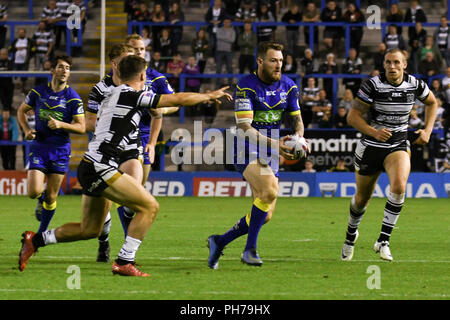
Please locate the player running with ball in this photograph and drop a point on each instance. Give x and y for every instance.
(260, 101)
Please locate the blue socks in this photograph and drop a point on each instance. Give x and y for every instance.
(48, 211)
(125, 216)
(239, 229)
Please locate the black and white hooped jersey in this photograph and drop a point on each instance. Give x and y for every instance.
(391, 106)
(116, 129)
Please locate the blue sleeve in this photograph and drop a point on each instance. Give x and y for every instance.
(293, 106)
(161, 85)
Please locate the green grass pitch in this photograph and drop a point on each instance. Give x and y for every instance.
(300, 248)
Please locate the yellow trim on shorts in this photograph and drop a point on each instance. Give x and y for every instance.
(114, 178)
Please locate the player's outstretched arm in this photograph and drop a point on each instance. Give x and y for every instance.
(430, 117)
(191, 98)
(356, 119)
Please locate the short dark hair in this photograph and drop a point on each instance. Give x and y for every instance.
(63, 57)
(131, 66)
(264, 46)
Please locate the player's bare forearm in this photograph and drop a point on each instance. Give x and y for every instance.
(430, 112)
(297, 126)
(90, 119)
(256, 137)
(191, 98)
(356, 120)
(155, 128)
(22, 117)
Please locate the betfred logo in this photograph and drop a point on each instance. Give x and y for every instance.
(232, 187)
(13, 183)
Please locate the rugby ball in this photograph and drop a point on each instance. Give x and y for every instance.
(299, 145)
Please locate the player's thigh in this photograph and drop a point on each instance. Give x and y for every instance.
(132, 167)
(262, 180)
(129, 192)
(94, 211)
(398, 167)
(54, 181)
(365, 185)
(35, 182)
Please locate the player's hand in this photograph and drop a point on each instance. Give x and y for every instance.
(54, 124)
(30, 135)
(285, 151)
(423, 137)
(382, 135)
(216, 95)
(150, 149)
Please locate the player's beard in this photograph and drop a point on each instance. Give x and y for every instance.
(269, 75)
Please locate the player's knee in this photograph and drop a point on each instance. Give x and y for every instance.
(89, 233)
(269, 195)
(268, 217)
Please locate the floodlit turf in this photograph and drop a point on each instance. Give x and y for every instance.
(300, 248)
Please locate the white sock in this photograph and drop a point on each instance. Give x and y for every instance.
(49, 236)
(129, 248)
(106, 226)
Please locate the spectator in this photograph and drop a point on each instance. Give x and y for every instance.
(192, 84)
(431, 47)
(265, 33)
(175, 67)
(438, 123)
(272, 5)
(22, 49)
(176, 16)
(83, 18)
(46, 66)
(329, 67)
(354, 15)
(200, 49)
(417, 40)
(446, 84)
(6, 83)
(247, 44)
(61, 30)
(130, 6)
(395, 15)
(378, 57)
(429, 66)
(3, 18)
(321, 107)
(246, 12)
(226, 36)
(308, 65)
(156, 62)
(442, 39)
(414, 120)
(437, 90)
(51, 15)
(289, 64)
(347, 100)
(309, 98)
(10, 132)
(44, 45)
(214, 16)
(309, 166)
(157, 15)
(410, 63)
(393, 40)
(352, 65)
(164, 43)
(326, 122)
(293, 15)
(147, 42)
(140, 14)
(414, 14)
(311, 15)
(331, 35)
(340, 167)
(340, 118)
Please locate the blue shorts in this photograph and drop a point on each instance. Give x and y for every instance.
(49, 159)
(244, 155)
(144, 140)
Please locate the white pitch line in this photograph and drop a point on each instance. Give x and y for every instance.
(238, 259)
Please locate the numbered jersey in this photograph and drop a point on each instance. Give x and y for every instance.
(390, 106)
(63, 106)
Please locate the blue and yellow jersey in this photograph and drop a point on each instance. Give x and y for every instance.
(158, 83)
(264, 103)
(63, 106)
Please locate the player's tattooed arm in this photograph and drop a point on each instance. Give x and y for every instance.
(356, 119)
(296, 124)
